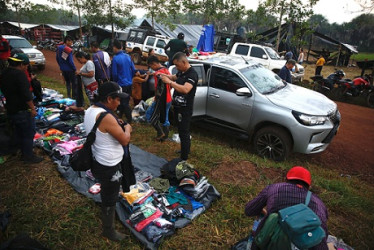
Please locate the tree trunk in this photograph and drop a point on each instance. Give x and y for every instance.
(279, 28)
(79, 20)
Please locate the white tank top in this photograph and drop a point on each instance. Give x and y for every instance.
(106, 149)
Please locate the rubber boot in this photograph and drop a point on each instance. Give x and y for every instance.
(107, 219)
(160, 132)
(165, 129)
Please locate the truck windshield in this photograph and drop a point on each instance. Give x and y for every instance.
(272, 54)
(265, 81)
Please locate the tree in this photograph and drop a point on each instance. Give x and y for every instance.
(292, 11)
(161, 10)
(367, 6)
(76, 5)
(104, 12)
(18, 6)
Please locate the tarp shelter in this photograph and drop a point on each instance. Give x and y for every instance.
(206, 41)
(318, 44)
(191, 32)
(12, 28)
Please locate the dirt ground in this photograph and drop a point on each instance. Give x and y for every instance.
(351, 152)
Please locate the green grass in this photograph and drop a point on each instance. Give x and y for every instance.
(46, 207)
(362, 56)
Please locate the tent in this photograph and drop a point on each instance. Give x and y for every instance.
(191, 32)
(334, 51)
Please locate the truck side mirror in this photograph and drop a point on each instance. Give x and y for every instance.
(264, 56)
(243, 92)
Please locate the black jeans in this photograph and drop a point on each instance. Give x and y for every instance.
(23, 132)
(318, 70)
(71, 83)
(124, 107)
(183, 119)
(110, 180)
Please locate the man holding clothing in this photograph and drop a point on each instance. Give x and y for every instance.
(184, 84)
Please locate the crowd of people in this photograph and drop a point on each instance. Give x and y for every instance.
(109, 84)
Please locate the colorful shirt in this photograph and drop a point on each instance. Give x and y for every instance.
(281, 195)
(320, 62)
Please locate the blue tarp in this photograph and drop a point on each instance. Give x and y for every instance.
(206, 41)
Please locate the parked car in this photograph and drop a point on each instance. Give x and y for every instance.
(278, 117)
(139, 41)
(265, 55)
(36, 57)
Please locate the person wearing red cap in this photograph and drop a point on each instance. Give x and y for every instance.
(281, 195)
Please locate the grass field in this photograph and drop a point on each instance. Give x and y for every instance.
(363, 56)
(44, 205)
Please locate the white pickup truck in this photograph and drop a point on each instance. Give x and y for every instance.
(266, 56)
(139, 41)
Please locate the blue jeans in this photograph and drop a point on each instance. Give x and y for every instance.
(23, 131)
(151, 109)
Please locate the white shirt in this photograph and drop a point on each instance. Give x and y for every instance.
(106, 149)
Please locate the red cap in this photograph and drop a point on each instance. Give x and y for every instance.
(299, 173)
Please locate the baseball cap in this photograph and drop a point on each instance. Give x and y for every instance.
(20, 57)
(299, 173)
(111, 89)
(180, 35)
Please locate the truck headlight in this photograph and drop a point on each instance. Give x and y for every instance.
(309, 120)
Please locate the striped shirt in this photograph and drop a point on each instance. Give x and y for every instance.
(281, 195)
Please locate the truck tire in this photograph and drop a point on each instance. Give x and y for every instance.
(137, 58)
(272, 142)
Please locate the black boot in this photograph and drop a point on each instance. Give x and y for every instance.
(165, 129)
(107, 219)
(160, 132)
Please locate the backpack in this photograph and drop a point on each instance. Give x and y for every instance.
(82, 160)
(272, 236)
(296, 224)
(302, 225)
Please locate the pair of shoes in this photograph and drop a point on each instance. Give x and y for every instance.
(32, 159)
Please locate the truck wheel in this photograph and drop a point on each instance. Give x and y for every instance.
(370, 100)
(272, 142)
(137, 58)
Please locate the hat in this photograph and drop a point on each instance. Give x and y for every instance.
(180, 35)
(20, 57)
(299, 173)
(188, 181)
(111, 89)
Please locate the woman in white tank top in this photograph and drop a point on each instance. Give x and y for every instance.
(108, 152)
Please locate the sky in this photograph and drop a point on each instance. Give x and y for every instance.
(338, 11)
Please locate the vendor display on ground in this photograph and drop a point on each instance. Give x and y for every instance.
(166, 197)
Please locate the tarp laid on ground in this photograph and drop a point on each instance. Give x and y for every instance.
(61, 132)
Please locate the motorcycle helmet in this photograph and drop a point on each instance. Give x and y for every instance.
(340, 72)
(299, 173)
(180, 35)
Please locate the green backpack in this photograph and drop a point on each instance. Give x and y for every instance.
(297, 224)
(272, 236)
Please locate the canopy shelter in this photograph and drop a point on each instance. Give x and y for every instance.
(334, 51)
(12, 28)
(191, 32)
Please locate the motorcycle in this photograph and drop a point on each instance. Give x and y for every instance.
(43, 44)
(77, 46)
(359, 86)
(325, 85)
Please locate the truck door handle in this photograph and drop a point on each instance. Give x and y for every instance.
(214, 95)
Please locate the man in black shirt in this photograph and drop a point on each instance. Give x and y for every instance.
(184, 84)
(19, 104)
